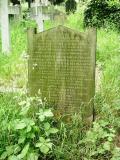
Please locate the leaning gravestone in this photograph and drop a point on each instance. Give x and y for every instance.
(62, 66)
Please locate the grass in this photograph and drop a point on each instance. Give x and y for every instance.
(9, 110)
(13, 68)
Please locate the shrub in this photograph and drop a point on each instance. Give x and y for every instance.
(70, 6)
(98, 12)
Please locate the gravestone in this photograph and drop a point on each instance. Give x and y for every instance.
(36, 14)
(62, 66)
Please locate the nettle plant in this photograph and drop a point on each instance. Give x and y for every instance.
(33, 134)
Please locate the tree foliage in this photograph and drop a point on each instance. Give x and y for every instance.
(70, 6)
(56, 2)
(99, 12)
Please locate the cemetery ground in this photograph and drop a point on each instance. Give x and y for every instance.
(19, 130)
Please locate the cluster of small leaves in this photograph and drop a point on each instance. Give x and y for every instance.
(99, 141)
(33, 134)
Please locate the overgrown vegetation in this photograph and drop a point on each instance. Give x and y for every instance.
(102, 13)
(30, 133)
(26, 130)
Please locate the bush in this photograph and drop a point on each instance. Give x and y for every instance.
(70, 6)
(99, 13)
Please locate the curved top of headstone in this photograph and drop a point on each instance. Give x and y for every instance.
(64, 29)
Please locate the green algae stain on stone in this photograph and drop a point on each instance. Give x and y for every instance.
(62, 66)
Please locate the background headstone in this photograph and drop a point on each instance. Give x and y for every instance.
(15, 11)
(62, 67)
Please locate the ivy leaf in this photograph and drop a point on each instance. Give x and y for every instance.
(24, 152)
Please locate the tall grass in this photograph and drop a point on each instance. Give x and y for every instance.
(9, 110)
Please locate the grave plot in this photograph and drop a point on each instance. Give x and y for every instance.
(62, 66)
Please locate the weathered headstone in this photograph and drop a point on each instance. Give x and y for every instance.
(62, 67)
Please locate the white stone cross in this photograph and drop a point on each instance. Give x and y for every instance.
(5, 33)
(38, 15)
(5, 10)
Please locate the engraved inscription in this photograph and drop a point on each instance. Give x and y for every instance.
(62, 66)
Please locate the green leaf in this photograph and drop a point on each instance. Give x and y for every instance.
(110, 139)
(24, 110)
(42, 139)
(17, 149)
(47, 126)
(29, 128)
(31, 135)
(39, 144)
(48, 113)
(49, 145)
(41, 118)
(24, 152)
(36, 128)
(106, 146)
(21, 140)
(20, 125)
(44, 149)
(31, 122)
(13, 157)
(10, 150)
(22, 103)
(4, 155)
(48, 140)
(32, 156)
(53, 130)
